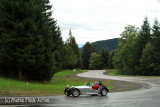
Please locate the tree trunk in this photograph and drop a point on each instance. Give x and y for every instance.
(20, 77)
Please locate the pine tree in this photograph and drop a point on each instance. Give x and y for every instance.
(105, 57)
(144, 37)
(94, 48)
(27, 33)
(146, 61)
(58, 48)
(86, 53)
(156, 39)
(16, 27)
(71, 42)
(46, 30)
(145, 33)
(110, 61)
(156, 46)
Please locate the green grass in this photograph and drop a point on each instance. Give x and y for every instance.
(116, 73)
(10, 87)
(67, 72)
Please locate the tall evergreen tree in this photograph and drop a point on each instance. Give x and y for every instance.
(94, 48)
(110, 61)
(156, 46)
(86, 53)
(26, 38)
(58, 48)
(145, 33)
(71, 42)
(146, 61)
(105, 57)
(144, 37)
(156, 39)
(16, 36)
(47, 28)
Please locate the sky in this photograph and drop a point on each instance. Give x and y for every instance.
(94, 20)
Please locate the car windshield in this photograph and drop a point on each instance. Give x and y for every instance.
(88, 84)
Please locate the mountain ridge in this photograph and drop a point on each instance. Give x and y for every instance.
(110, 44)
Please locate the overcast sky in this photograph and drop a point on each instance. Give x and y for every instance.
(93, 20)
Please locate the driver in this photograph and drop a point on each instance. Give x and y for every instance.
(96, 86)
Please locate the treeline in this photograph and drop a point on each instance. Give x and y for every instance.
(92, 59)
(31, 45)
(138, 51)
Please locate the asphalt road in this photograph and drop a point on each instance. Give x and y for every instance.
(148, 96)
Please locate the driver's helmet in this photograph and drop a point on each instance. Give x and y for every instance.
(96, 83)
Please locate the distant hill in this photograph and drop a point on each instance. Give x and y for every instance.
(110, 44)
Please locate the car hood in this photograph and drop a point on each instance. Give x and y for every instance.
(81, 86)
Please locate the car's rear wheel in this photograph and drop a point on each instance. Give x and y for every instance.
(104, 92)
(75, 93)
(67, 92)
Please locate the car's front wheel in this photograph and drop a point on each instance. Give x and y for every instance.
(75, 93)
(104, 92)
(67, 92)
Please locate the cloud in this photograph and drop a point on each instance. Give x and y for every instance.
(93, 20)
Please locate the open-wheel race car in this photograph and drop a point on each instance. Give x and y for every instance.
(88, 88)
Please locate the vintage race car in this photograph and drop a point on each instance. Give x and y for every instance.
(88, 88)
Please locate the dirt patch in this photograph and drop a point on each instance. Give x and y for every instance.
(119, 86)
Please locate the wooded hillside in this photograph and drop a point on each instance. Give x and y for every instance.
(110, 44)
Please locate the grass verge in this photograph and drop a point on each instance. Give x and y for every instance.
(113, 72)
(10, 87)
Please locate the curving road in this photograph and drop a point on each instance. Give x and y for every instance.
(148, 96)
